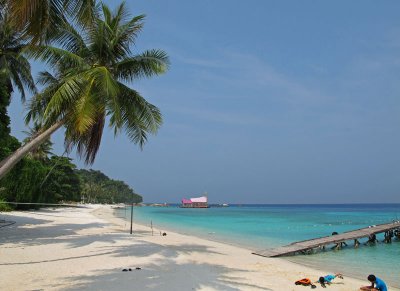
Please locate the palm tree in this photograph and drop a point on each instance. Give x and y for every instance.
(92, 69)
(15, 72)
(15, 69)
(40, 19)
(43, 151)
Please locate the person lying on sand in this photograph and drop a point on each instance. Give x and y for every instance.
(328, 279)
(377, 284)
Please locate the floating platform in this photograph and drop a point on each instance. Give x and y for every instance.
(306, 245)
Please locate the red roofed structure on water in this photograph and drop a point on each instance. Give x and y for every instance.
(198, 202)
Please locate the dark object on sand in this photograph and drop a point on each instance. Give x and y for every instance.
(305, 282)
(164, 234)
(322, 282)
(138, 268)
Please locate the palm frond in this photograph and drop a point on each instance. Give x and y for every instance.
(103, 79)
(107, 14)
(46, 78)
(39, 18)
(88, 84)
(23, 68)
(148, 64)
(86, 110)
(17, 82)
(69, 38)
(83, 11)
(125, 35)
(38, 104)
(14, 65)
(55, 56)
(88, 143)
(137, 118)
(64, 96)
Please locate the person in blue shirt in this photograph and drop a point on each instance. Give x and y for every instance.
(377, 284)
(328, 279)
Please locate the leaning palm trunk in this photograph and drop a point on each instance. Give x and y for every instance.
(8, 163)
(92, 66)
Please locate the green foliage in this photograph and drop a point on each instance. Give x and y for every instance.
(41, 19)
(21, 184)
(39, 181)
(14, 67)
(4, 118)
(61, 182)
(98, 188)
(89, 47)
(44, 149)
(4, 206)
(56, 180)
(92, 64)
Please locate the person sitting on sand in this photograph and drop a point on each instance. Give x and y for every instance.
(328, 279)
(377, 284)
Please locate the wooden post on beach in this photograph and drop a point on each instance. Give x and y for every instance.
(131, 214)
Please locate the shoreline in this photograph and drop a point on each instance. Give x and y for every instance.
(87, 248)
(298, 259)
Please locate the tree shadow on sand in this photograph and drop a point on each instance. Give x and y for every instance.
(28, 231)
(165, 275)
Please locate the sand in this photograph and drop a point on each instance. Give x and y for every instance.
(87, 249)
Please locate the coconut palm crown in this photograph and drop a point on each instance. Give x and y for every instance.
(43, 151)
(40, 19)
(93, 65)
(15, 69)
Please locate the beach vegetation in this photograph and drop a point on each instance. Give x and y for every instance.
(89, 49)
(61, 183)
(92, 65)
(98, 188)
(4, 206)
(43, 151)
(15, 75)
(15, 69)
(40, 20)
(38, 180)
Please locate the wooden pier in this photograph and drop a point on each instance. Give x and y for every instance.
(338, 239)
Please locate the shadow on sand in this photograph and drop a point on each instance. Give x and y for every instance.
(166, 274)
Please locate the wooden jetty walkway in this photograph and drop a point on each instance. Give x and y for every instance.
(306, 245)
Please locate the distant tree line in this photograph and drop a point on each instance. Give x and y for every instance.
(42, 177)
(98, 188)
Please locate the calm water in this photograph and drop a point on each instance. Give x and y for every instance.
(263, 226)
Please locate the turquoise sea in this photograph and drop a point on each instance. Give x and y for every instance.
(264, 226)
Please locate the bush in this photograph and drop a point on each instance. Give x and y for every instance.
(4, 206)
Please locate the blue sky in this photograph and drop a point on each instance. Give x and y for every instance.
(266, 102)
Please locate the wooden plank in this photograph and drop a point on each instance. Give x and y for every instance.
(322, 241)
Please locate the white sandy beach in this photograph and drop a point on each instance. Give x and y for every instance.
(87, 248)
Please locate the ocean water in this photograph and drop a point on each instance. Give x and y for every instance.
(264, 226)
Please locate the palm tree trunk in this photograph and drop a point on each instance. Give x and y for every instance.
(8, 163)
